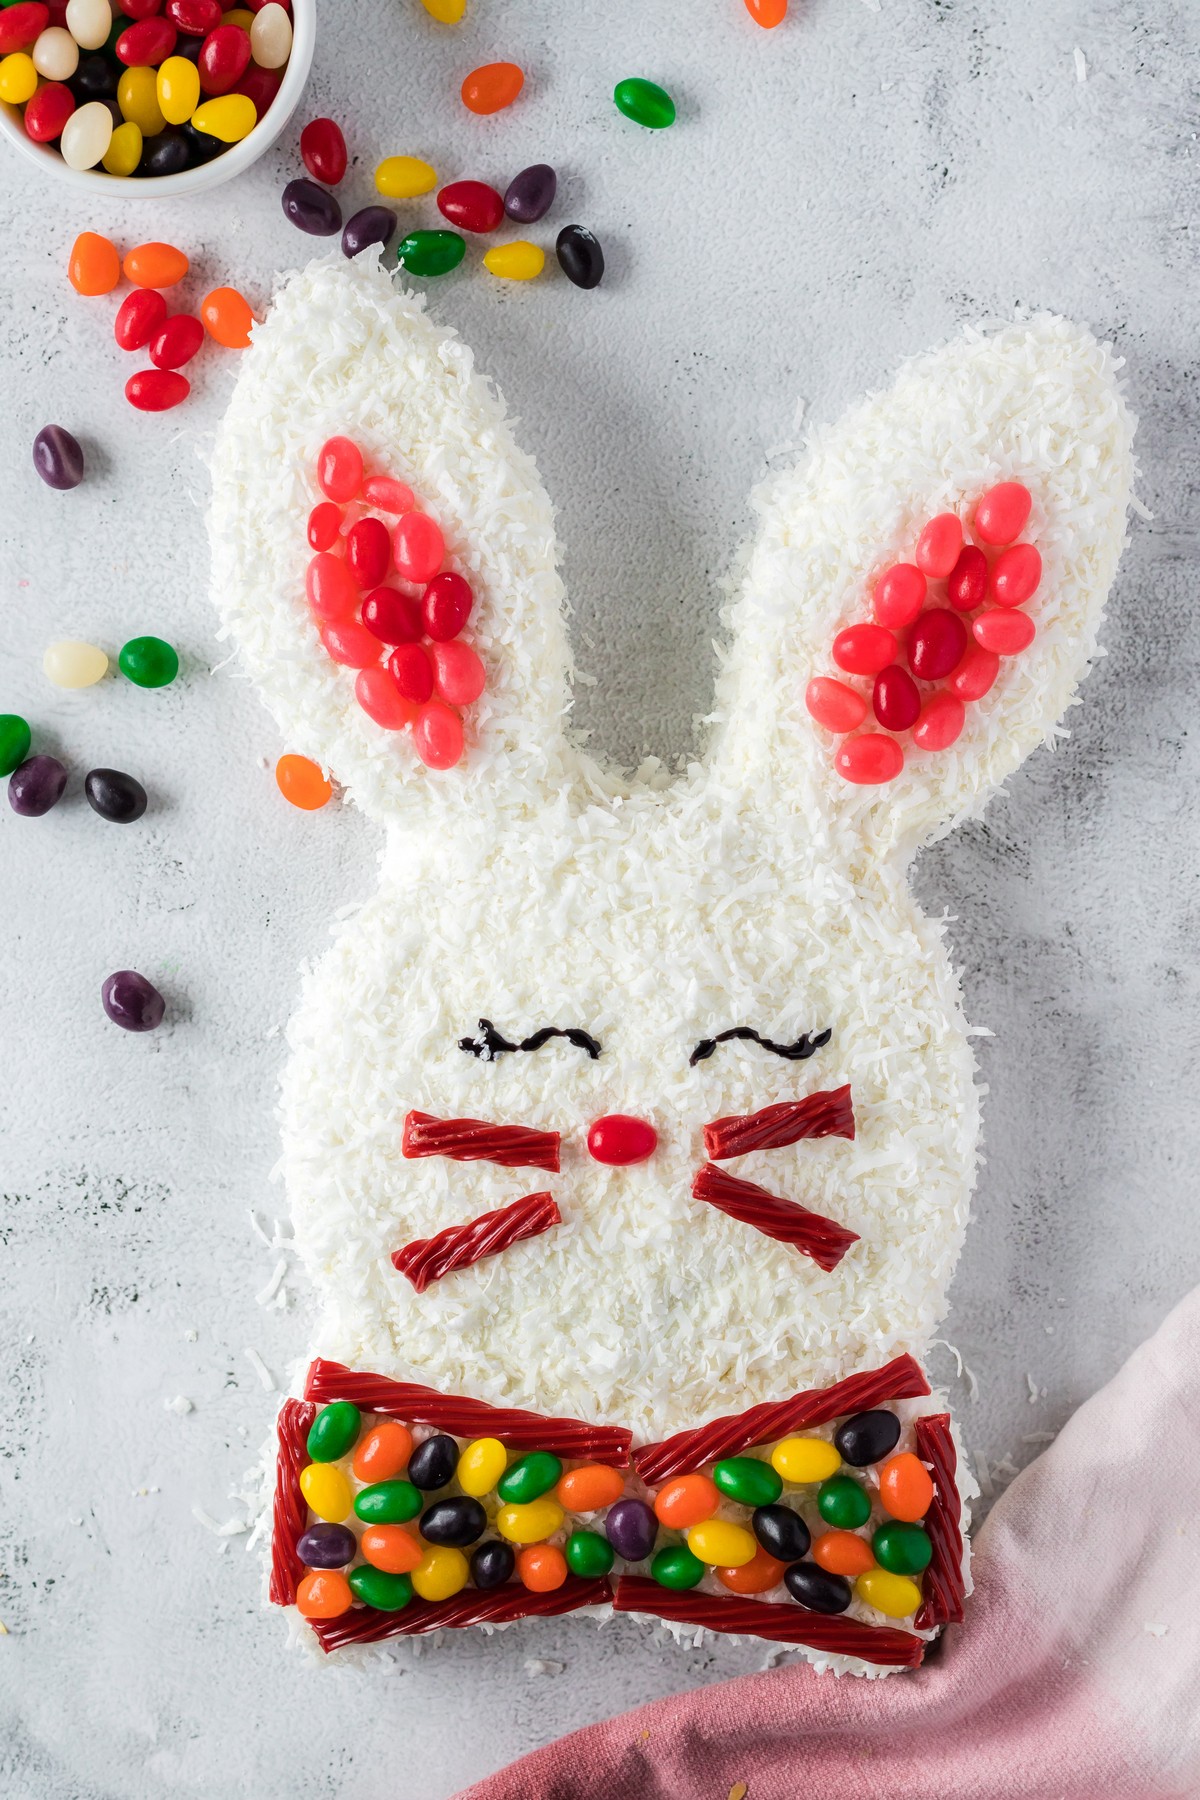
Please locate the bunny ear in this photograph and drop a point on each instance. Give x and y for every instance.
(1036, 404)
(342, 354)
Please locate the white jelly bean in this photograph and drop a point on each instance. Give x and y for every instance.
(271, 36)
(69, 664)
(86, 135)
(89, 22)
(55, 54)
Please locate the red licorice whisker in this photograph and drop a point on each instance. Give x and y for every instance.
(496, 1606)
(784, 1220)
(777, 1621)
(427, 1259)
(942, 1584)
(817, 1115)
(290, 1509)
(475, 1140)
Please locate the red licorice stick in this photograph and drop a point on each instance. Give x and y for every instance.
(943, 1583)
(687, 1451)
(290, 1511)
(495, 1606)
(817, 1115)
(776, 1620)
(475, 1140)
(783, 1220)
(460, 1417)
(458, 1246)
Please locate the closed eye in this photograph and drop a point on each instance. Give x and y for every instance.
(800, 1051)
(490, 1043)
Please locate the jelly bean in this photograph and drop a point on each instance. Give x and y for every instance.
(140, 9)
(56, 54)
(224, 58)
(480, 1466)
(15, 739)
(21, 26)
(417, 546)
(518, 261)
(390, 1547)
(326, 1490)
(339, 468)
(721, 1544)
(383, 1452)
(530, 1477)
(645, 103)
(370, 225)
(941, 722)
(688, 1500)
(242, 16)
(843, 1553)
(802, 1460)
(125, 149)
(114, 795)
(939, 546)
(459, 1521)
(324, 525)
(833, 705)
(311, 209)
(580, 256)
(146, 43)
(446, 12)
(748, 1480)
(140, 317)
(166, 154)
(301, 783)
(70, 664)
(767, 13)
(781, 1532)
(438, 735)
(975, 673)
(869, 760)
(323, 151)
(378, 1588)
(260, 87)
(618, 1139)
(936, 644)
(412, 672)
(86, 135)
(393, 617)
(48, 112)
(459, 676)
(590, 1487)
(967, 582)
(137, 97)
(631, 1529)
(89, 22)
(149, 662)
(864, 649)
(368, 551)
(676, 1567)
(895, 1596)
(96, 79)
(902, 1547)
(323, 1595)
(405, 177)
(231, 117)
(157, 390)
(334, 1431)
(541, 1568)
(431, 252)
(758, 1576)
(388, 495)
(227, 318)
(905, 1487)
(589, 1554)
(818, 1590)
(446, 606)
(867, 1437)
(95, 267)
(36, 785)
(492, 87)
(894, 698)
(432, 1464)
(271, 37)
(492, 1564)
(899, 596)
(844, 1502)
(1002, 513)
(530, 195)
(19, 79)
(442, 1572)
(155, 265)
(177, 342)
(330, 587)
(1002, 632)
(471, 205)
(178, 89)
(327, 1547)
(1015, 575)
(195, 17)
(57, 457)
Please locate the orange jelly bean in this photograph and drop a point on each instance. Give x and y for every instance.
(590, 1487)
(227, 317)
(688, 1501)
(95, 267)
(383, 1453)
(302, 783)
(758, 1576)
(767, 13)
(842, 1553)
(542, 1568)
(324, 1594)
(390, 1547)
(905, 1487)
(155, 265)
(493, 87)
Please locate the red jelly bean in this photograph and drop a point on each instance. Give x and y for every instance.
(869, 760)
(940, 722)
(458, 673)
(899, 595)
(323, 149)
(864, 649)
(393, 617)
(330, 587)
(141, 9)
(936, 644)
(195, 18)
(975, 673)
(418, 546)
(260, 86)
(939, 545)
(1002, 513)
(968, 580)
(223, 59)
(446, 606)
(438, 735)
(382, 701)
(1015, 575)
(140, 317)
(324, 524)
(412, 672)
(339, 468)
(895, 699)
(177, 341)
(388, 495)
(350, 643)
(619, 1139)
(157, 390)
(471, 205)
(834, 705)
(21, 26)
(1004, 632)
(149, 42)
(48, 111)
(368, 551)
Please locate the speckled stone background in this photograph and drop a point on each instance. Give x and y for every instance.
(835, 195)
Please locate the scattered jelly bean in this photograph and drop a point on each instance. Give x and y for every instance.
(412, 672)
(589, 1554)
(227, 318)
(758, 1576)
(967, 582)
(471, 205)
(895, 1596)
(541, 1568)
(748, 1480)
(194, 17)
(894, 698)
(459, 677)
(149, 662)
(480, 1466)
(432, 1464)
(21, 26)
(1015, 575)
(15, 739)
(530, 195)
(35, 785)
(327, 1547)
(377, 1588)
(1003, 632)
(818, 1590)
(767, 13)
(804, 1460)
(48, 111)
(442, 1572)
(905, 1487)
(431, 252)
(867, 1437)
(71, 664)
(492, 1564)
(492, 87)
(617, 1139)
(721, 1543)
(140, 317)
(580, 256)
(370, 225)
(155, 265)
(417, 546)
(940, 724)
(137, 97)
(55, 54)
(688, 1500)
(384, 1452)
(899, 596)
(676, 1567)
(1002, 513)
(869, 760)
(334, 1431)
(324, 525)
(177, 341)
(301, 783)
(844, 1502)
(530, 1477)
(833, 705)
(393, 617)
(389, 495)
(224, 58)
(339, 468)
(310, 208)
(57, 457)
(446, 12)
(89, 22)
(86, 135)
(368, 551)
(645, 103)
(271, 36)
(936, 644)
(146, 43)
(134, 1004)
(975, 674)
(843, 1553)
(518, 261)
(125, 149)
(438, 735)
(19, 80)
(781, 1532)
(459, 1521)
(325, 1594)
(939, 546)
(95, 266)
(405, 177)
(178, 89)
(446, 606)
(166, 154)
(388, 1547)
(864, 649)
(631, 1529)
(323, 150)
(903, 1547)
(115, 795)
(589, 1487)
(230, 117)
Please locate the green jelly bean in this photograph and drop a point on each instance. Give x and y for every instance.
(748, 1480)
(904, 1549)
(375, 1587)
(148, 662)
(388, 1502)
(645, 103)
(431, 252)
(529, 1478)
(676, 1567)
(843, 1502)
(15, 739)
(588, 1553)
(334, 1430)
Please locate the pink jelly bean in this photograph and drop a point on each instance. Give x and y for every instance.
(1015, 575)
(368, 551)
(388, 495)
(899, 595)
(936, 644)
(968, 580)
(833, 705)
(382, 700)
(418, 546)
(975, 673)
(939, 545)
(1002, 513)
(869, 760)
(458, 673)
(446, 606)
(895, 699)
(864, 649)
(330, 586)
(393, 617)
(324, 523)
(412, 672)
(940, 722)
(340, 468)
(350, 643)
(1004, 632)
(438, 735)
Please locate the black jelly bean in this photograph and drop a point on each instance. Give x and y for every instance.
(57, 457)
(781, 1532)
(372, 225)
(311, 208)
(867, 1438)
(201, 146)
(132, 1002)
(166, 154)
(580, 256)
(189, 47)
(327, 1547)
(36, 786)
(459, 1522)
(95, 79)
(492, 1564)
(816, 1589)
(530, 195)
(115, 795)
(432, 1464)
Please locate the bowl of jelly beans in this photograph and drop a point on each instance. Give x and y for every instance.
(158, 97)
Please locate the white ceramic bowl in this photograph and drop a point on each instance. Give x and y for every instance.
(98, 182)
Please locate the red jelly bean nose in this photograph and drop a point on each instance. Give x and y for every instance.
(619, 1139)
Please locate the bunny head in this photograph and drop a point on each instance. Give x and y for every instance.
(564, 976)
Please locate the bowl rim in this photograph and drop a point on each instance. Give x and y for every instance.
(99, 184)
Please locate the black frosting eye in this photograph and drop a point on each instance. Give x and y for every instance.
(490, 1043)
(797, 1052)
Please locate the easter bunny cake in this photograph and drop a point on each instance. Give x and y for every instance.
(630, 1127)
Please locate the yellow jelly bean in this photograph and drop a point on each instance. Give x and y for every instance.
(327, 1491)
(480, 1466)
(805, 1459)
(530, 1523)
(896, 1596)
(70, 664)
(239, 15)
(518, 261)
(442, 1571)
(124, 151)
(178, 89)
(228, 117)
(137, 97)
(404, 177)
(722, 1544)
(18, 78)
(446, 12)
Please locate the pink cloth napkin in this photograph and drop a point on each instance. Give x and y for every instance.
(1076, 1675)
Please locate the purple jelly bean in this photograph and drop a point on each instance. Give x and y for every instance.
(530, 194)
(57, 457)
(373, 225)
(327, 1547)
(132, 1002)
(631, 1528)
(311, 208)
(36, 786)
